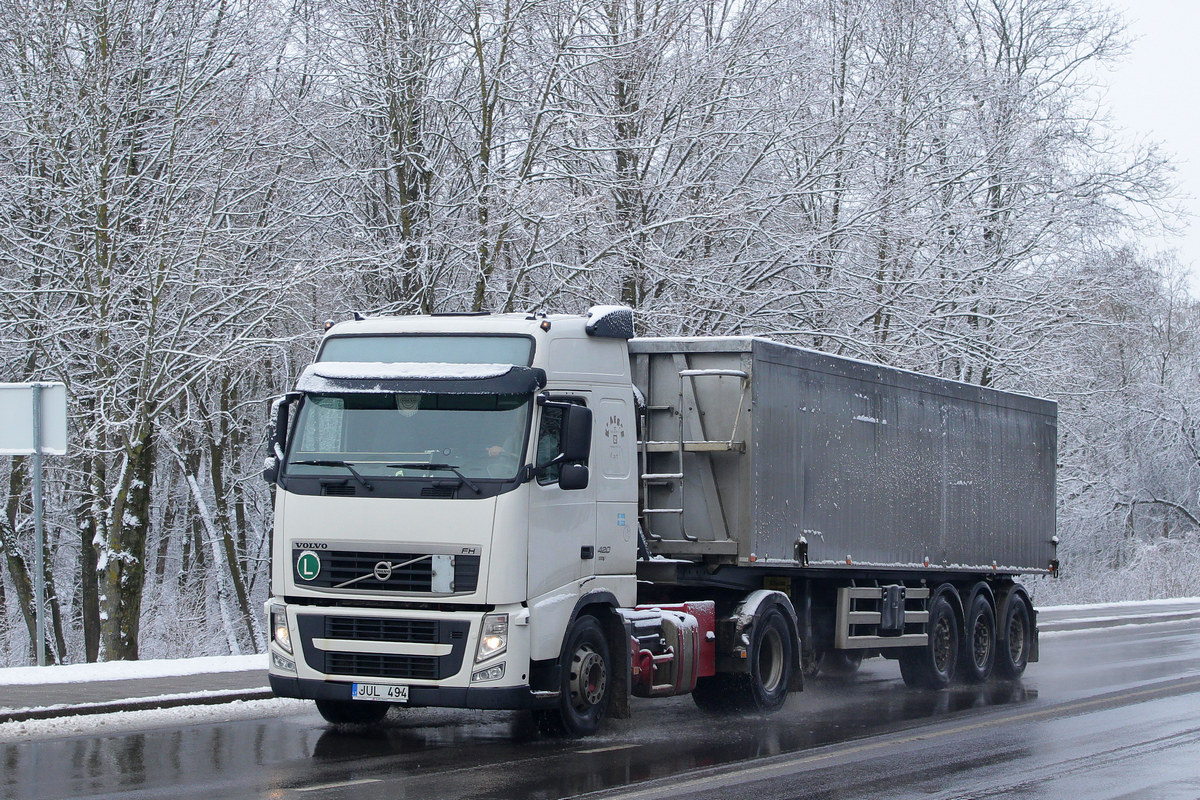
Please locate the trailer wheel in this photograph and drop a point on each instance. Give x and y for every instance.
(586, 683)
(932, 665)
(979, 641)
(1016, 637)
(352, 712)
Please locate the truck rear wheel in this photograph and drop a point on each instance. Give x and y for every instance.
(932, 665)
(1016, 637)
(352, 712)
(764, 687)
(979, 642)
(585, 685)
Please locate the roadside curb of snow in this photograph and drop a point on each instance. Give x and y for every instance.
(1091, 623)
(135, 704)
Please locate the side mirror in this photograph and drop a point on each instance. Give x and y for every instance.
(277, 434)
(573, 476)
(577, 434)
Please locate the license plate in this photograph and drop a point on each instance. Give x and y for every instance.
(383, 692)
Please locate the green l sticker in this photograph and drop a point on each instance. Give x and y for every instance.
(308, 565)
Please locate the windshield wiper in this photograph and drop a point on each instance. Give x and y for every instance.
(449, 467)
(327, 463)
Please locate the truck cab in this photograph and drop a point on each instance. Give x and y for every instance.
(451, 492)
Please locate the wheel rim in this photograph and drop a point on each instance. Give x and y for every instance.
(770, 659)
(943, 644)
(1016, 638)
(588, 678)
(981, 641)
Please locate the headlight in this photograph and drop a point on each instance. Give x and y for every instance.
(493, 636)
(279, 629)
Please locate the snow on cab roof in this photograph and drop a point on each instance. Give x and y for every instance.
(379, 376)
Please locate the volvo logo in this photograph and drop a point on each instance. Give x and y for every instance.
(383, 571)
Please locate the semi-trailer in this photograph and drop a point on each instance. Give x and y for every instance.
(540, 511)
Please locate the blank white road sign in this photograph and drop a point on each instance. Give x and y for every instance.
(16, 419)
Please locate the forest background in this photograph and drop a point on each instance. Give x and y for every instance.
(190, 188)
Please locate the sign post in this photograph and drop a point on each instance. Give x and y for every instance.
(33, 420)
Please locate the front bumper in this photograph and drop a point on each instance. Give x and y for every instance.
(484, 697)
(430, 652)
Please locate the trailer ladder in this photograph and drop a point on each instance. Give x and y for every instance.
(683, 445)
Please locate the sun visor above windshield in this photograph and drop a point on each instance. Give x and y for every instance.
(339, 377)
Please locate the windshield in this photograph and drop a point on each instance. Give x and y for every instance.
(480, 436)
(435, 348)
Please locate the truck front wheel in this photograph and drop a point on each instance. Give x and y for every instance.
(932, 665)
(585, 683)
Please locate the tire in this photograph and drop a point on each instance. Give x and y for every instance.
(764, 687)
(933, 665)
(1015, 637)
(352, 712)
(978, 656)
(586, 668)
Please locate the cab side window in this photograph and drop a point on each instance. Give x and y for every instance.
(550, 439)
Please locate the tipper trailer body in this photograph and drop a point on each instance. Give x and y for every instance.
(542, 512)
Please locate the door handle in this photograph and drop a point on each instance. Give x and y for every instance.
(587, 552)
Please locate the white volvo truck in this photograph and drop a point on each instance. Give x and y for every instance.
(528, 511)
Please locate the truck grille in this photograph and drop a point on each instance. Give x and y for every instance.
(340, 567)
(370, 665)
(340, 628)
(381, 630)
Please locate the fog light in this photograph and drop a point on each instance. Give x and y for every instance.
(279, 628)
(490, 674)
(493, 636)
(281, 663)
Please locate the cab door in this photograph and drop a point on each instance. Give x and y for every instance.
(562, 522)
(613, 475)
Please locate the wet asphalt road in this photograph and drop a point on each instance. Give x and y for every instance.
(1109, 713)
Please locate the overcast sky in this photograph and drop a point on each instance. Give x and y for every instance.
(1155, 94)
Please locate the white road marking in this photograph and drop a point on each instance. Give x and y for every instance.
(338, 785)
(607, 749)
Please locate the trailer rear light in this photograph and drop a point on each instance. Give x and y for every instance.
(493, 636)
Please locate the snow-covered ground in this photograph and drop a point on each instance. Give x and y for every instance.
(1126, 604)
(124, 670)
